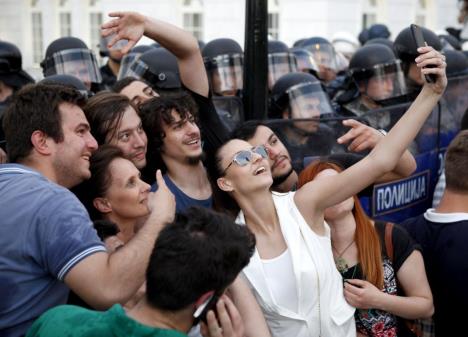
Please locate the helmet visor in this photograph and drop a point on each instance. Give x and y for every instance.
(324, 55)
(127, 61)
(280, 64)
(383, 81)
(307, 100)
(80, 63)
(305, 61)
(136, 69)
(226, 74)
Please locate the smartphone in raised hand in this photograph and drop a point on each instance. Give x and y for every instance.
(420, 42)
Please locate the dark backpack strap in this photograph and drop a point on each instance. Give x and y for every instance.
(388, 240)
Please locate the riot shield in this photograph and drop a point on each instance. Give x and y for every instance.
(230, 110)
(310, 138)
(455, 102)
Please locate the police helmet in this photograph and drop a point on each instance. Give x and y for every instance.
(380, 40)
(405, 46)
(224, 62)
(363, 36)
(280, 61)
(323, 51)
(457, 63)
(11, 71)
(305, 61)
(68, 80)
(157, 67)
(295, 91)
(223, 46)
(377, 62)
(450, 42)
(275, 46)
(130, 57)
(70, 55)
(378, 30)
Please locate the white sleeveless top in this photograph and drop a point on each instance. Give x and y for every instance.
(313, 268)
(279, 275)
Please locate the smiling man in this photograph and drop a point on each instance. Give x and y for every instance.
(114, 121)
(47, 241)
(175, 144)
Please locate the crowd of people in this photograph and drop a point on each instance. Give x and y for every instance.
(135, 200)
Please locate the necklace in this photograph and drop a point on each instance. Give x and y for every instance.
(340, 262)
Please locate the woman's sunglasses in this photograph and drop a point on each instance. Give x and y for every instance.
(244, 157)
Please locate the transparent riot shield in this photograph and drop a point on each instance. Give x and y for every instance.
(385, 117)
(309, 139)
(454, 105)
(230, 110)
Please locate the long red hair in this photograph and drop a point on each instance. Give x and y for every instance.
(366, 237)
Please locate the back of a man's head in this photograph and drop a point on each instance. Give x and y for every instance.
(456, 162)
(36, 107)
(199, 252)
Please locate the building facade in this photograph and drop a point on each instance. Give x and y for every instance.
(33, 24)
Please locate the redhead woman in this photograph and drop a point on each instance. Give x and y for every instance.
(292, 272)
(383, 271)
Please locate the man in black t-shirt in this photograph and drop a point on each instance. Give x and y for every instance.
(191, 70)
(175, 141)
(443, 235)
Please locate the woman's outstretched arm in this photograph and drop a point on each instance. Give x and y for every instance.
(316, 196)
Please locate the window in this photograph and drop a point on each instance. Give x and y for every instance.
(37, 37)
(95, 20)
(193, 22)
(369, 15)
(193, 17)
(273, 25)
(273, 19)
(65, 24)
(421, 13)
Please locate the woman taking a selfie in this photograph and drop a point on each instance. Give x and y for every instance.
(292, 272)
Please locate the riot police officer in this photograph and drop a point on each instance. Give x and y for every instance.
(377, 75)
(70, 55)
(224, 62)
(12, 78)
(305, 61)
(406, 50)
(280, 61)
(298, 95)
(299, 99)
(324, 55)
